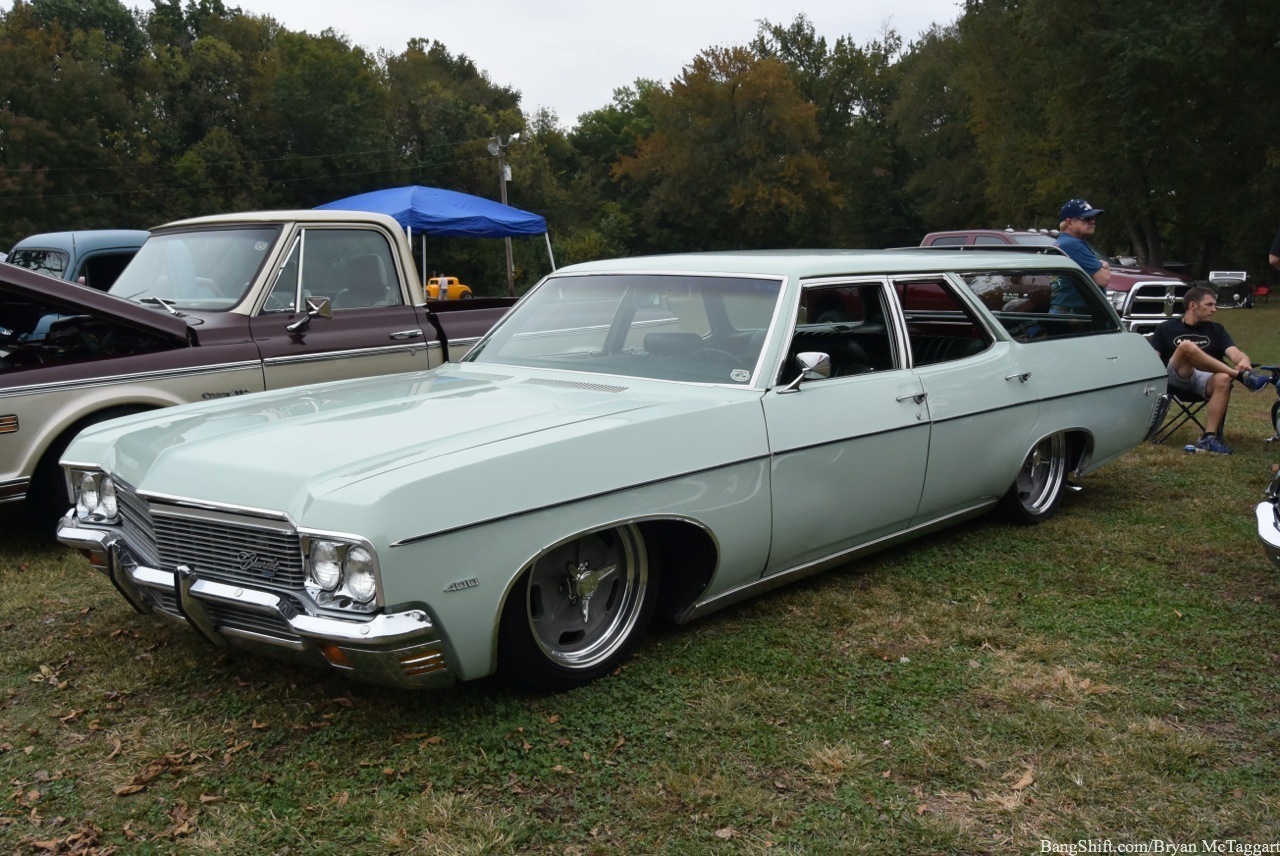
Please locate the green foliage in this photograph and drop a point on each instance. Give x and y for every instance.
(1153, 110)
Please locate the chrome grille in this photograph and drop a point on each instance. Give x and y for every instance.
(216, 545)
(135, 519)
(229, 548)
(1156, 300)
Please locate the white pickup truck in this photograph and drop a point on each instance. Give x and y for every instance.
(213, 307)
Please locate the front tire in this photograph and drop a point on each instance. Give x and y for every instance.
(578, 611)
(1038, 487)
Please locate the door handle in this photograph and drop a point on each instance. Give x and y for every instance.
(917, 397)
(407, 334)
(1021, 376)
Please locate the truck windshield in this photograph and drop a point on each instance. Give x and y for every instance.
(208, 269)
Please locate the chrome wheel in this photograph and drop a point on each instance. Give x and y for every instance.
(578, 610)
(1038, 486)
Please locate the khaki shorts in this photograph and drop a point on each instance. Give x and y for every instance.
(1197, 383)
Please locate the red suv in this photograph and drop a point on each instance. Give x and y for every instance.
(1143, 296)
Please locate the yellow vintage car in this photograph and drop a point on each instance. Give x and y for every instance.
(454, 290)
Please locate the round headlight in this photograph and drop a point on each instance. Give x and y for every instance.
(325, 568)
(359, 573)
(88, 502)
(108, 505)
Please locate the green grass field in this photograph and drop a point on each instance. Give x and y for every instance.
(1107, 678)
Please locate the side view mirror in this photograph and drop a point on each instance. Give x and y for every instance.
(813, 365)
(317, 307)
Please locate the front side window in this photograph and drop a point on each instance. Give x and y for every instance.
(1036, 305)
(208, 269)
(354, 268)
(849, 324)
(705, 329)
(49, 262)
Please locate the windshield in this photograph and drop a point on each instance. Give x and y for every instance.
(209, 269)
(708, 329)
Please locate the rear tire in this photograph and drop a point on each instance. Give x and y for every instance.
(1038, 487)
(578, 611)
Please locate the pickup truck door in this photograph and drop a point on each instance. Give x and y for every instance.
(373, 329)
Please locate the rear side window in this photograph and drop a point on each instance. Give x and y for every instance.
(1043, 305)
(101, 270)
(940, 328)
(950, 241)
(49, 262)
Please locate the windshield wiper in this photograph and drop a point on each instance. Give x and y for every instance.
(167, 304)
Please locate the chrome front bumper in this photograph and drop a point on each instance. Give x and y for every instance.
(1269, 530)
(401, 649)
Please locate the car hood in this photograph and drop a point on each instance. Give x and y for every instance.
(1148, 272)
(69, 298)
(456, 445)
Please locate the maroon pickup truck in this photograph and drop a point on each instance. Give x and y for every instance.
(1143, 296)
(209, 308)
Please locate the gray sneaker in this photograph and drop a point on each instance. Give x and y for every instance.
(1213, 444)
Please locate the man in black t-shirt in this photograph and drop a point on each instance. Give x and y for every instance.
(1274, 256)
(1194, 349)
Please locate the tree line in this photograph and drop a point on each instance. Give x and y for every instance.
(1159, 112)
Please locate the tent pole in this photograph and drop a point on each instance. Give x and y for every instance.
(550, 255)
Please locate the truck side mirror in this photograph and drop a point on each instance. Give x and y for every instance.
(317, 307)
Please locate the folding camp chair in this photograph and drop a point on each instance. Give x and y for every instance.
(1184, 406)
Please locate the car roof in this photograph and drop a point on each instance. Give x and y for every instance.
(283, 216)
(822, 263)
(84, 240)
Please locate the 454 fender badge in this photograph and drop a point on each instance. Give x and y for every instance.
(459, 585)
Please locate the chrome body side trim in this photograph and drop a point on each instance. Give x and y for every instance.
(799, 572)
(95, 382)
(14, 490)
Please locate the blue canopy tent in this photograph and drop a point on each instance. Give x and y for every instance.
(447, 213)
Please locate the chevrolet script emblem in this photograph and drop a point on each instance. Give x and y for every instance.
(265, 565)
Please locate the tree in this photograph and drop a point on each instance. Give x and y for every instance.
(730, 162)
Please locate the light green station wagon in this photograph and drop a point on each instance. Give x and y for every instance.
(638, 438)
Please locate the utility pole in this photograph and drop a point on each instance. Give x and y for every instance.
(498, 148)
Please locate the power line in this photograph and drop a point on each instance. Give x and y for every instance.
(268, 182)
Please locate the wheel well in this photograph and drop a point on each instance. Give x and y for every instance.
(1079, 450)
(45, 476)
(686, 559)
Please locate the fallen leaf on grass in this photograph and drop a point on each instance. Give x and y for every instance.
(128, 790)
(1025, 782)
(727, 833)
(115, 748)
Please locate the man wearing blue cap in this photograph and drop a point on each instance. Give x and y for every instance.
(1077, 226)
